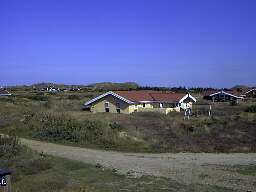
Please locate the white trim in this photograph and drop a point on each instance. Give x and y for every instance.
(250, 91)
(106, 103)
(118, 108)
(106, 94)
(186, 96)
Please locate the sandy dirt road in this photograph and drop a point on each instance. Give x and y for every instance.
(188, 168)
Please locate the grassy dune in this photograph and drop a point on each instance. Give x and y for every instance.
(60, 118)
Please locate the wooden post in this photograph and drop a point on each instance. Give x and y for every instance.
(210, 111)
(185, 114)
(5, 181)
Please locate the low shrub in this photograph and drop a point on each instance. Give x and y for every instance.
(47, 104)
(51, 93)
(251, 109)
(3, 122)
(6, 99)
(20, 160)
(58, 133)
(149, 114)
(117, 126)
(9, 147)
(175, 113)
(73, 97)
(38, 98)
(33, 166)
(233, 103)
(63, 127)
(191, 128)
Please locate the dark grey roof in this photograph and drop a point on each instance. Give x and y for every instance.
(4, 92)
(4, 172)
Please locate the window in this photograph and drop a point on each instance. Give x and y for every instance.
(118, 106)
(107, 107)
(136, 108)
(172, 105)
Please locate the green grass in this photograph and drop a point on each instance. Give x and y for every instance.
(244, 169)
(68, 175)
(61, 119)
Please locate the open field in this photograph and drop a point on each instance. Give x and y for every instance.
(59, 118)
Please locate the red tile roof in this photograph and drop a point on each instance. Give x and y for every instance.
(206, 93)
(167, 96)
(150, 95)
(135, 95)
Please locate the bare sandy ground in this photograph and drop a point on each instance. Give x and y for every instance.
(188, 168)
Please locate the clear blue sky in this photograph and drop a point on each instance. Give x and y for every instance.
(208, 43)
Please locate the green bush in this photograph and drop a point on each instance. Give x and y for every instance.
(33, 166)
(9, 147)
(149, 114)
(251, 109)
(58, 127)
(191, 128)
(117, 126)
(20, 160)
(233, 103)
(7, 99)
(3, 122)
(73, 97)
(38, 98)
(51, 93)
(62, 127)
(47, 104)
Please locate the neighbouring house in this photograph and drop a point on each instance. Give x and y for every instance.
(139, 101)
(4, 92)
(75, 89)
(223, 96)
(250, 93)
(49, 89)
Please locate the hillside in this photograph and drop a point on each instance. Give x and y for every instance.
(105, 86)
(240, 87)
(39, 86)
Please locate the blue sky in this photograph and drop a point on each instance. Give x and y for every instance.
(206, 43)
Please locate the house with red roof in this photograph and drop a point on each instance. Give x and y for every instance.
(223, 96)
(139, 101)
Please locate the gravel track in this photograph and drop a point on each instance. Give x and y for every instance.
(188, 168)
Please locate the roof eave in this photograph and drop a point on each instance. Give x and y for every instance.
(106, 94)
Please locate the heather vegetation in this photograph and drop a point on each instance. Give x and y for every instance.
(60, 118)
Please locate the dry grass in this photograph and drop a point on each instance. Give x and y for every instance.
(61, 119)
